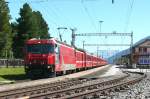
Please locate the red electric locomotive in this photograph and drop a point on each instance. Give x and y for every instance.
(51, 57)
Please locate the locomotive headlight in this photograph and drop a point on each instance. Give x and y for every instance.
(49, 67)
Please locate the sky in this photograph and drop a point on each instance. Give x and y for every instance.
(122, 16)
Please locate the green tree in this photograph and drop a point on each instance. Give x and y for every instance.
(24, 30)
(5, 31)
(42, 25)
(14, 26)
(29, 25)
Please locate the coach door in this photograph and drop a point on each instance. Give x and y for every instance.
(57, 51)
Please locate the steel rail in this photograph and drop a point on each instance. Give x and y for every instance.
(67, 93)
(117, 85)
(65, 89)
(52, 86)
(55, 93)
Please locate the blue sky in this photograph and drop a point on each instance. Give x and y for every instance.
(122, 16)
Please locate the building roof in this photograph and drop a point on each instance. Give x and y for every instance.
(141, 41)
(128, 51)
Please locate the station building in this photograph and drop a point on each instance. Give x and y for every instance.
(137, 56)
(141, 52)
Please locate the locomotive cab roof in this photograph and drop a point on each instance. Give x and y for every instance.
(53, 40)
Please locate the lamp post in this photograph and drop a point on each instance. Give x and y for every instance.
(100, 24)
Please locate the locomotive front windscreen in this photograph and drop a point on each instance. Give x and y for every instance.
(40, 48)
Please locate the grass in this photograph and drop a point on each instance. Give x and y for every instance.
(12, 74)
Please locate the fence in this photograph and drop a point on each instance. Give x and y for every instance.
(11, 62)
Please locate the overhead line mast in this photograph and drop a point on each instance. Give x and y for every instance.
(104, 34)
(107, 34)
(73, 36)
(107, 45)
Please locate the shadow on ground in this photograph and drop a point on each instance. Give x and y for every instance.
(15, 77)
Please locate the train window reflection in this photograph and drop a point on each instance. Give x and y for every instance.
(40, 48)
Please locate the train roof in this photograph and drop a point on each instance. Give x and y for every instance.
(54, 40)
(79, 49)
(63, 43)
(46, 41)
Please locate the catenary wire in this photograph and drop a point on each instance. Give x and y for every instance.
(129, 13)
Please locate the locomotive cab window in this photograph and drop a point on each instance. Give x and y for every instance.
(40, 48)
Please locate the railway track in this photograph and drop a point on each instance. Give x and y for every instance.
(15, 93)
(75, 88)
(106, 90)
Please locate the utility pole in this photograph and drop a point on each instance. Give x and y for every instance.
(59, 28)
(73, 36)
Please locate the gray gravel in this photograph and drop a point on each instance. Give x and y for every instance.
(140, 90)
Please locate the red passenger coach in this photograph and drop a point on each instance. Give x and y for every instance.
(66, 59)
(51, 57)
